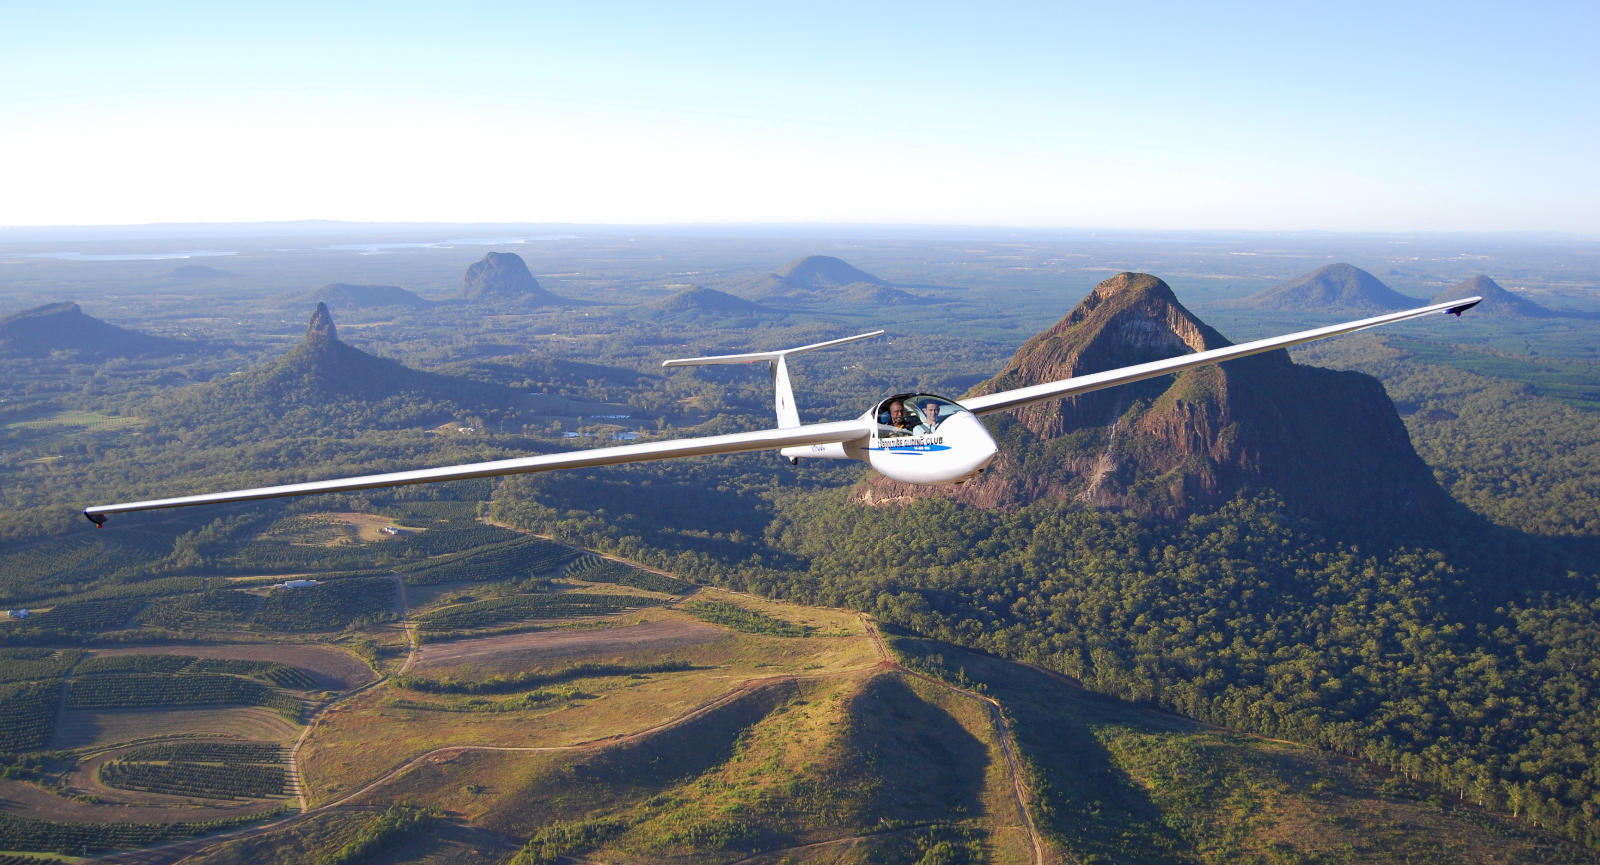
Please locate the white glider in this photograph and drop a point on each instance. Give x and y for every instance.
(916, 438)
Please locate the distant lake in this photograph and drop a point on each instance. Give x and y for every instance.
(381, 248)
(137, 256)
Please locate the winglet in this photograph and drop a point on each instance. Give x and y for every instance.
(99, 520)
(1463, 306)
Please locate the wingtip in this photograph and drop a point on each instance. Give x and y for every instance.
(99, 520)
(1463, 306)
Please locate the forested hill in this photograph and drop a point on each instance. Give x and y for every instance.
(325, 387)
(1328, 442)
(64, 327)
(1496, 300)
(343, 296)
(825, 279)
(1340, 288)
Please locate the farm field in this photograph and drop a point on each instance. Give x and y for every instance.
(97, 728)
(334, 667)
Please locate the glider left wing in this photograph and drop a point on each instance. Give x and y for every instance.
(772, 439)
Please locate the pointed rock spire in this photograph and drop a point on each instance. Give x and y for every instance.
(322, 329)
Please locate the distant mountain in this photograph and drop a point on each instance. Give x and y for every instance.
(1329, 442)
(504, 276)
(1335, 288)
(700, 304)
(197, 271)
(343, 295)
(323, 386)
(820, 278)
(1496, 301)
(38, 332)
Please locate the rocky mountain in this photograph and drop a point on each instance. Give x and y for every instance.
(342, 295)
(1497, 301)
(1329, 442)
(325, 387)
(701, 304)
(65, 327)
(1339, 288)
(823, 278)
(504, 277)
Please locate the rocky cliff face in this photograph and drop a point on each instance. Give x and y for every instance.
(1328, 441)
(504, 276)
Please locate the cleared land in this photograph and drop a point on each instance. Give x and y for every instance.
(81, 729)
(509, 649)
(334, 668)
(28, 800)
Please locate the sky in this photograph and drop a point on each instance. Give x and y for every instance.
(1277, 117)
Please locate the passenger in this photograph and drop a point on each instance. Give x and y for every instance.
(930, 418)
(899, 418)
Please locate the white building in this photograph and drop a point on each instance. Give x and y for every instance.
(294, 584)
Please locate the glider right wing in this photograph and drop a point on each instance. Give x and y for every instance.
(1128, 374)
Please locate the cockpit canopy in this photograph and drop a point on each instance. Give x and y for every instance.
(914, 413)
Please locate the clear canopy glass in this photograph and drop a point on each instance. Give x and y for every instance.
(914, 413)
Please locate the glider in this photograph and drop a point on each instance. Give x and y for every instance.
(912, 437)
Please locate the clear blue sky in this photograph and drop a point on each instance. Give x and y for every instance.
(1388, 117)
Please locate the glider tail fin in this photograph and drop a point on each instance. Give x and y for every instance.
(783, 394)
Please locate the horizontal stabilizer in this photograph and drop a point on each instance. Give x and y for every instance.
(760, 356)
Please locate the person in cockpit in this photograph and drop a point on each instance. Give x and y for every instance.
(899, 418)
(929, 418)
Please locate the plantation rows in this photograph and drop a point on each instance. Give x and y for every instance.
(511, 560)
(26, 833)
(278, 674)
(28, 573)
(425, 514)
(594, 569)
(153, 689)
(443, 538)
(209, 752)
(32, 665)
(10, 859)
(207, 608)
(740, 619)
(195, 779)
(96, 615)
(27, 717)
(270, 557)
(330, 604)
(145, 589)
(497, 611)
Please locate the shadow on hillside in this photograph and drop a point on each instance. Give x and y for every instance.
(922, 763)
(1090, 807)
(614, 778)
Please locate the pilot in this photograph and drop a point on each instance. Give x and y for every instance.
(929, 418)
(899, 418)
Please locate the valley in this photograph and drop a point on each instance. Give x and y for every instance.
(1338, 607)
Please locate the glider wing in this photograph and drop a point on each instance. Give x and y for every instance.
(1128, 374)
(773, 439)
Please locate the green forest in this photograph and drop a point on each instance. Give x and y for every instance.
(1459, 650)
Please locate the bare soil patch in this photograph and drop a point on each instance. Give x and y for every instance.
(81, 729)
(334, 668)
(27, 800)
(662, 634)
